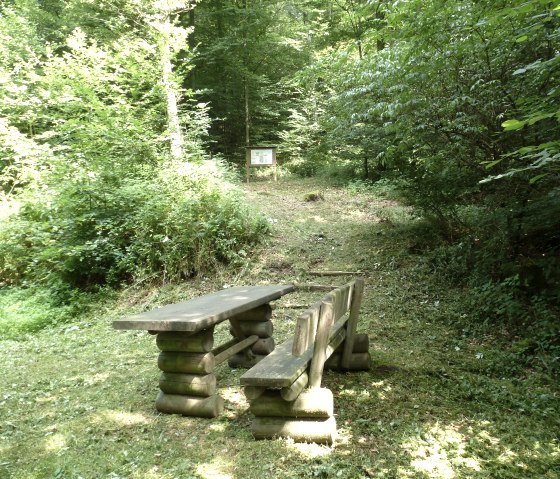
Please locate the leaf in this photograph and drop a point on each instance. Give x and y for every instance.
(490, 164)
(521, 39)
(512, 125)
(534, 179)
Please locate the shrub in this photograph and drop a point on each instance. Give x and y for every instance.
(183, 220)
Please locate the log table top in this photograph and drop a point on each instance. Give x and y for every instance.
(205, 311)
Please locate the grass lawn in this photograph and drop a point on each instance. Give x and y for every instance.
(77, 399)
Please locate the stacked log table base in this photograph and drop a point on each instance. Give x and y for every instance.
(188, 383)
(308, 418)
(253, 322)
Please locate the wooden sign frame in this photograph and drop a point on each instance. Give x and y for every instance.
(250, 157)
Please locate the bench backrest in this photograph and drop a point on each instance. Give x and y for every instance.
(314, 326)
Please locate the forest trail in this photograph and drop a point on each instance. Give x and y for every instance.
(438, 403)
(314, 227)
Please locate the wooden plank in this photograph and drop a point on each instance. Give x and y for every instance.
(358, 362)
(314, 287)
(316, 402)
(228, 344)
(240, 346)
(253, 392)
(201, 342)
(260, 313)
(301, 334)
(205, 311)
(263, 346)
(306, 327)
(320, 431)
(326, 318)
(352, 322)
(280, 369)
(292, 392)
(189, 405)
(188, 384)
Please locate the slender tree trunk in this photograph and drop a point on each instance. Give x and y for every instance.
(192, 45)
(170, 88)
(171, 97)
(246, 79)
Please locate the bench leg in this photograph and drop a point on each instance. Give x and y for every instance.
(309, 418)
(359, 359)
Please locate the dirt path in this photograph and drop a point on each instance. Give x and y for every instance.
(327, 233)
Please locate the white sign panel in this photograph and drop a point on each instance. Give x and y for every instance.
(261, 157)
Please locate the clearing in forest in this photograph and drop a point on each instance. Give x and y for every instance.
(78, 400)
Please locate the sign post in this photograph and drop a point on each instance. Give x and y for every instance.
(261, 156)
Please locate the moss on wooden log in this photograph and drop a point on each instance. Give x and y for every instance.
(242, 361)
(320, 431)
(358, 362)
(188, 384)
(262, 329)
(253, 392)
(264, 346)
(193, 363)
(261, 313)
(361, 344)
(189, 405)
(201, 342)
(291, 393)
(316, 403)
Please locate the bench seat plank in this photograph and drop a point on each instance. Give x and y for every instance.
(205, 311)
(280, 368)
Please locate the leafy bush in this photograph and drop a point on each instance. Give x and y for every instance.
(184, 220)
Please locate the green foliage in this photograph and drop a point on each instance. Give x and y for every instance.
(456, 96)
(85, 163)
(26, 310)
(183, 221)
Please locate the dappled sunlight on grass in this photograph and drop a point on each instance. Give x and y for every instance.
(234, 397)
(81, 400)
(214, 470)
(217, 427)
(126, 418)
(309, 450)
(96, 378)
(440, 452)
(55, 443)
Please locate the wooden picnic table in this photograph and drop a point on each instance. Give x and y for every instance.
(185, 336)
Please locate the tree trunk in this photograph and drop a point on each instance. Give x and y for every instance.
(170, 88)
(246, 80)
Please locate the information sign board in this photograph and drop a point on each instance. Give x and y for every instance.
(261, 156)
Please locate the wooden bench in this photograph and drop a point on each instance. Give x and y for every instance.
(185, 337)
(284, 389)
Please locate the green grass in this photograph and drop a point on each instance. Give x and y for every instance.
(77, 400)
